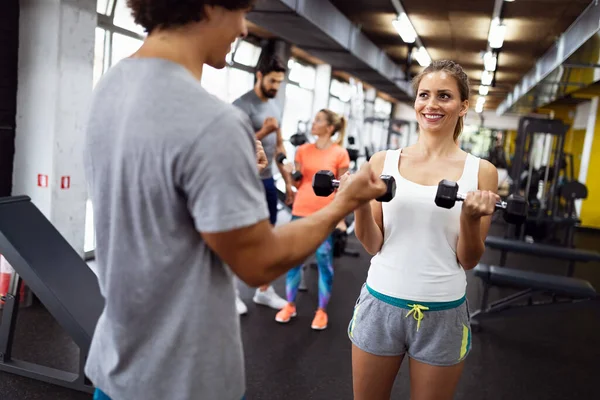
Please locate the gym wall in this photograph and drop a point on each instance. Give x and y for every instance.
(590, 210)
(55, 76)
(9, 49)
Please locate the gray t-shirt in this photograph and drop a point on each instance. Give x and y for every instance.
(258, 111)
(166, 160)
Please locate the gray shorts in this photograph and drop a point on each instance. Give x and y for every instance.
(385, 326)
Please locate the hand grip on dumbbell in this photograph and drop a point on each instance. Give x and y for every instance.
(324, 183)
(515, 208)
(282, 159)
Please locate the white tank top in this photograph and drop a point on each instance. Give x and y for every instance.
(418, 258)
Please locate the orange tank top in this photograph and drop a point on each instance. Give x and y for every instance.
(312, 160)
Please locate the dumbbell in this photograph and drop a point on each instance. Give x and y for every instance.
(515, 207)
(282, 159)
(324, 183)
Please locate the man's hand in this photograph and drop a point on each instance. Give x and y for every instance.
(360, 188)
(261, 157)
(270, 125)
(290, 195)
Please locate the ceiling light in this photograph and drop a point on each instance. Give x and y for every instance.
(481, 100)
(422, 57)
(486, 78)
(484, 90)
(479, 108)
(497, 33)
(405, 28)
(490, 61)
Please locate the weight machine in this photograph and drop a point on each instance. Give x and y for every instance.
(540, 170)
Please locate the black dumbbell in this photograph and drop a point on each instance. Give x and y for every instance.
(324, 183)
(515, 207)
(282, 159)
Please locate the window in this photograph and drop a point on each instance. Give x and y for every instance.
(123, 46)
(229, 83)
(338, 106)
(302, 75)
(340, 96)
(298, 109)
(341, 90)
(246, 53)
(90, 237)
(124, 19)
(99, 58)
(215, 81)
(239, 82)
(299, 96)
(104, 6)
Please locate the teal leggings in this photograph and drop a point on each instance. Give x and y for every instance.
(325, 264)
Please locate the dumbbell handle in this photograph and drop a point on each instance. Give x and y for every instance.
(500, 205)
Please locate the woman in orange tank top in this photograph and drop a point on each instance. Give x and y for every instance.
(324, 154)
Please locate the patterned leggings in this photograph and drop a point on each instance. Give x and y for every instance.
(325, 263)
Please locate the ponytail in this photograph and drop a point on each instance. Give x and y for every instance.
(342, 131)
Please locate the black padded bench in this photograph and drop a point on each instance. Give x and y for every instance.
(529, 282)
(560, 285)
(541, 250)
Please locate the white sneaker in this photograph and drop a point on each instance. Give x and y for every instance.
(269, 298)
(240, 306)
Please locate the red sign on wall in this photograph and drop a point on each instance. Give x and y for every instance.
(42, 180)
(65, 182)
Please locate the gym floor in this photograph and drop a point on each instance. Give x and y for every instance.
(547, 353)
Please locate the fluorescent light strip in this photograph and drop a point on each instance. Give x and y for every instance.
(486, 78)
(405, 28)
(484, 90)
(423, 57)
(497, 33)
(490, 61)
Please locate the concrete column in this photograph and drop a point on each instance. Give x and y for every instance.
(587, 148)
(322, 85)
(368, 138)
(54, 89)
(357, 114)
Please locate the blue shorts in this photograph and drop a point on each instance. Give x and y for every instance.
(100, 395)
(271, 192)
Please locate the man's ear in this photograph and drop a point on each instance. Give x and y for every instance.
(208, 12)
(259, 76)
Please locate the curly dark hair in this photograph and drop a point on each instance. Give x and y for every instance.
(152, 14)
(273, 64)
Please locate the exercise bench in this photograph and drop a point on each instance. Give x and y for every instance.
(561, 289)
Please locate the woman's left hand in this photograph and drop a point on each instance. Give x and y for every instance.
(479, 204)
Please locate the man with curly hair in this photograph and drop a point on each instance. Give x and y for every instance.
(172, 175)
